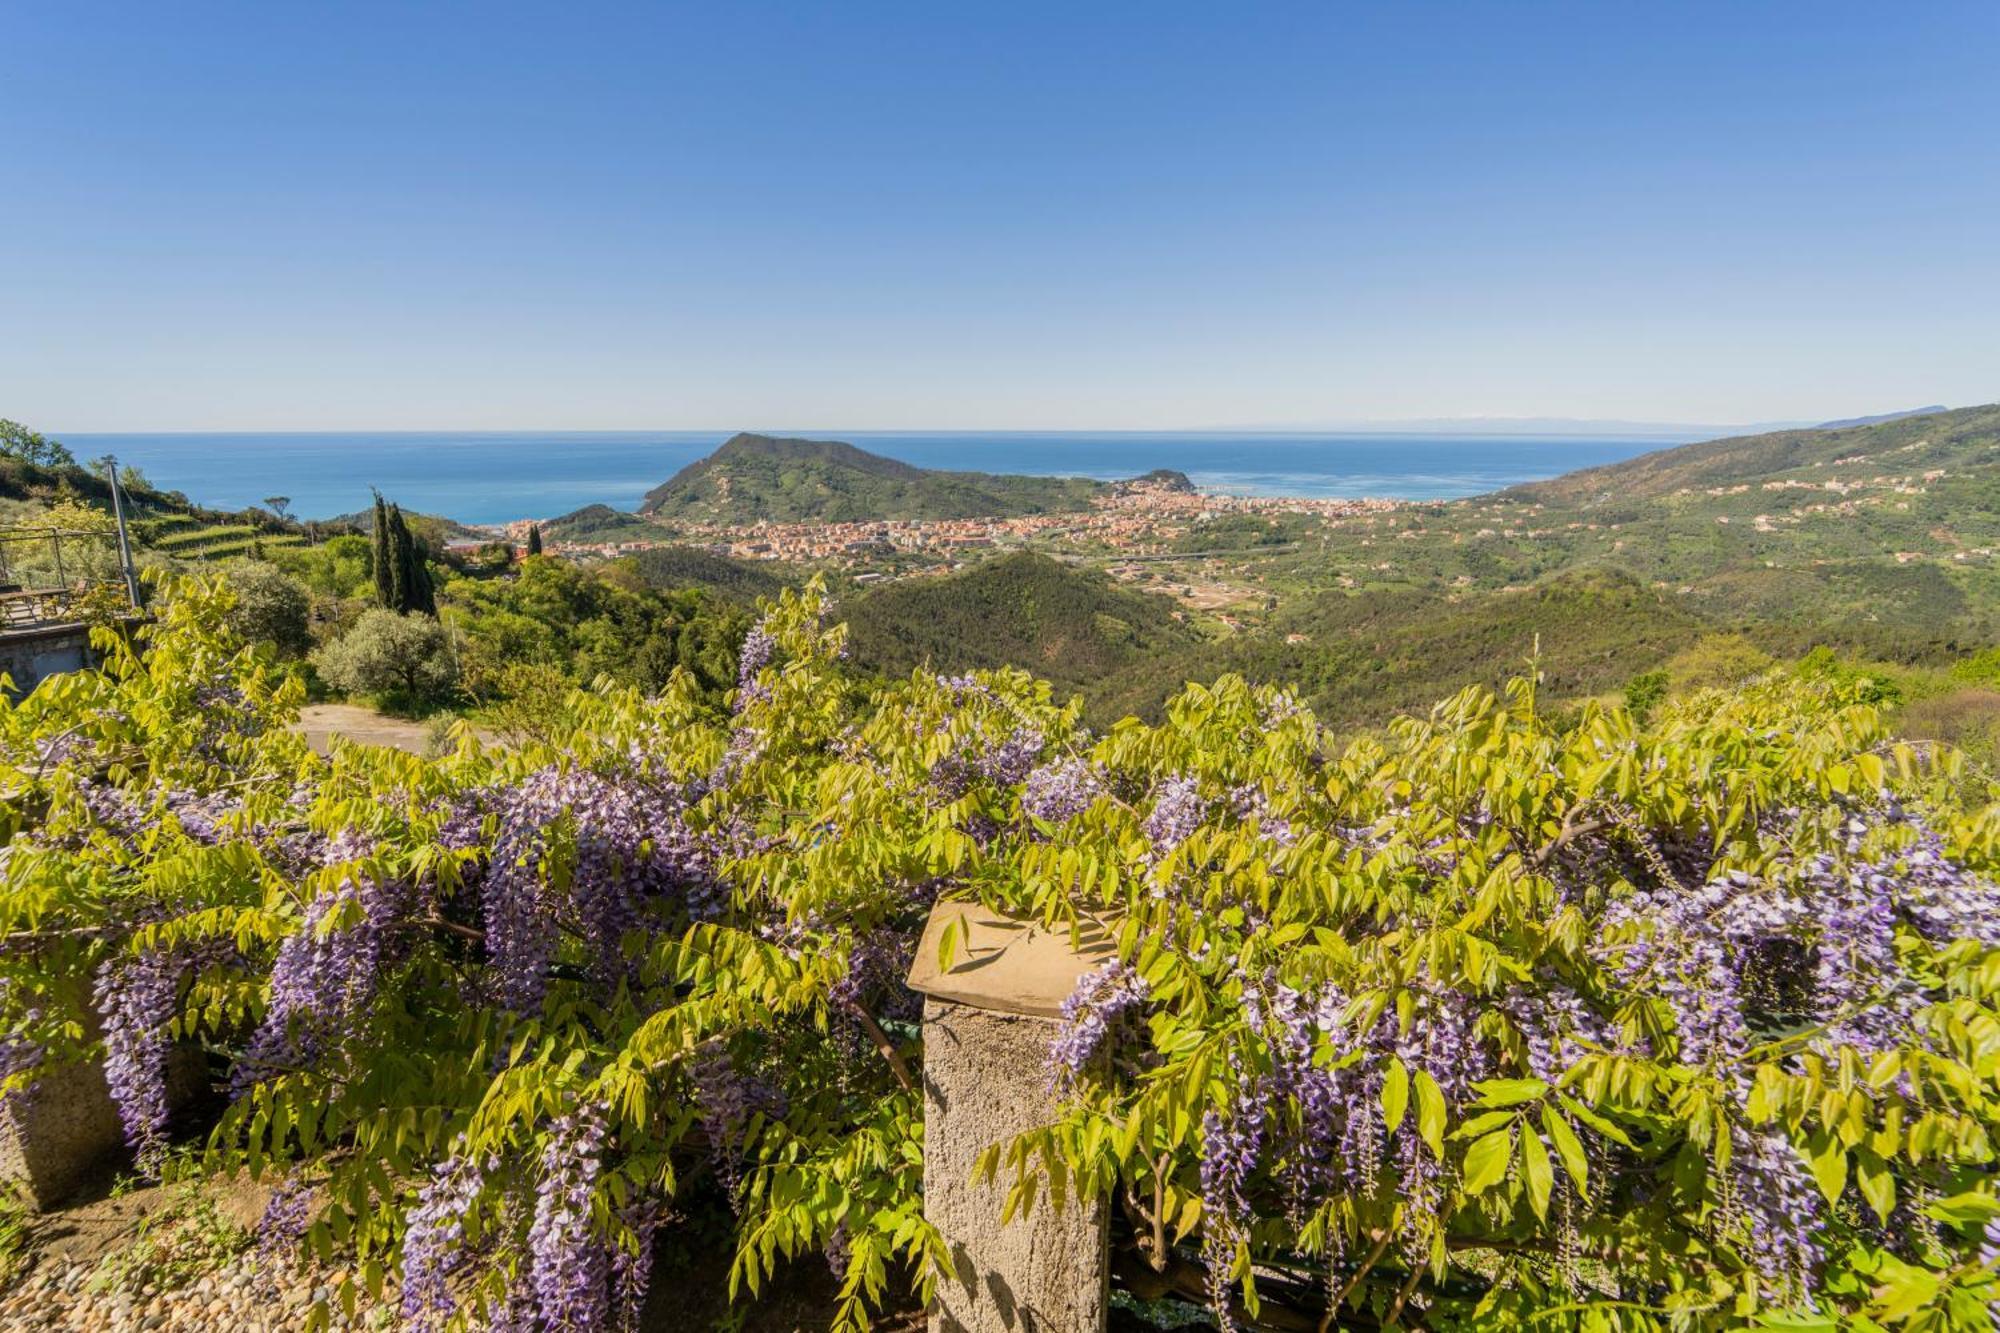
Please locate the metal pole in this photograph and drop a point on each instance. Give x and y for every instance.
(124, 542)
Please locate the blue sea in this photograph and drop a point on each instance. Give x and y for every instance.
(495, 476)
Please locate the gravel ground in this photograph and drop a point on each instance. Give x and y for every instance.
(234, 1298)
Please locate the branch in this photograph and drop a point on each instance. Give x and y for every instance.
(1570, 831)
(454, 928)
(883, 1046)
(30, 938)
(1190, 1280)
(1347, 1288)
(1402, 1295)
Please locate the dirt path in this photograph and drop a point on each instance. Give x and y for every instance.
(320, 723)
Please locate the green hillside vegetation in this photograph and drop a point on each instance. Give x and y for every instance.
(1072, 626)
(41, 478)
(1363, 656)
(435, 529)
(1969, 437)
(691, 567)
(753, 477)
(572, 625)
(596, 523)
(1876, 542)
(167, 521)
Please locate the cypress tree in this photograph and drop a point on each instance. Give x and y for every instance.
(534, 539)
(380, 556)
(399, 562)
(422, 594)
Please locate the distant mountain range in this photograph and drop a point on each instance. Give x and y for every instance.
(1569, 426)
(764, 477)
(1901, 441)
(1848, 423)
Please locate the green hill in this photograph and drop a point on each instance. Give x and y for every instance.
(688, 567)
(596, 523)
(753, 477)
(1071, 626)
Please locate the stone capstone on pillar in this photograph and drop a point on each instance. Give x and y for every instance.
(988, 1022)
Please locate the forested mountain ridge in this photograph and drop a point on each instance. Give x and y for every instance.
(761, 477)
(1915, 443)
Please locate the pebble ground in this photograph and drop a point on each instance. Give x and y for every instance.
(234, 1298)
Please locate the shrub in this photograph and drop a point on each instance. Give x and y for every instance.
(404, 657)
(1476, 1024)
(270, 607)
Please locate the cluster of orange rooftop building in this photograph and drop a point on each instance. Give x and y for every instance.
(1136, 518)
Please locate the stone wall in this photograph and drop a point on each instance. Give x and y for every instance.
(30, 656)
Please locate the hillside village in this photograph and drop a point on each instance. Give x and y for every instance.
(1136, 518)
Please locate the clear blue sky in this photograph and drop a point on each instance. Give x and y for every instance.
(276, 215)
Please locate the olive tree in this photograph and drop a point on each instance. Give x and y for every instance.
(406, 656)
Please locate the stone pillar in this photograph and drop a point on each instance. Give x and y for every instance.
(63, 1131)
(988, 1021)
(56, 1133)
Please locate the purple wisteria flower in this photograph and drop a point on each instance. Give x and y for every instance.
(568, 1265)
(758, 649)
(1683, 955)
(727, 1098)
(1061, 790)
(288, 1215)
(136, 997)
(1009, 762)
(434, 1241)
(1101, 1000)
(327, 972)
(18, 1052)
(877, 962)
(631, 848)
(1781, 1206)
(1253, 807)
(1178, 809)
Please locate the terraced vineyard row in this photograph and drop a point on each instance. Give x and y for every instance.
(189, 539)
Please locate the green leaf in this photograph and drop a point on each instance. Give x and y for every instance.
(1486, 1161)
(1536, 1172)
(1828, 1160)
(1430, 1112)
(1509, 1091)
(1395, 1094)
(1483, 1123)
(1597, 1122)
(1962, 1209)
(1878, 1184)
(1568, 1147)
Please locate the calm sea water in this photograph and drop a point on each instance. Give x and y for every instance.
(493, 476)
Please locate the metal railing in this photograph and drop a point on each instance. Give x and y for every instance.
(34, 595)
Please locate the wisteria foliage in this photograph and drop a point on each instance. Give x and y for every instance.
(1474, 1023)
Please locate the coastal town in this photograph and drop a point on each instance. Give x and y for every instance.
(1135, 520)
